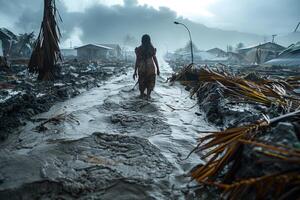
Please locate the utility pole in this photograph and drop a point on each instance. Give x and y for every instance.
(191, 42)
(297, 27)
(273, 38)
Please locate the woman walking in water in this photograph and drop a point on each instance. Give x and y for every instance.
(145, 64)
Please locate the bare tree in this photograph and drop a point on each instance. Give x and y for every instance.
(229, 48)
(46, 52)
(240, 45)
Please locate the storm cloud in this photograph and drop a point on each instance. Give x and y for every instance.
(110, 24)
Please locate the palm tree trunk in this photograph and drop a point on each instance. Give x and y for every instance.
(46, 53)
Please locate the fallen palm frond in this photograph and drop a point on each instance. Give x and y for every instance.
(267, 94)
(278, 152)
(294, 81)
(225, 143)
(46, 53)
(281, 185)
(181, 74)
(224, 146)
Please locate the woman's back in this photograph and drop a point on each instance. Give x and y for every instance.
(146, 66)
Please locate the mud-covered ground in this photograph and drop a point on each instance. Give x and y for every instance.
(22, 97)
(106, 143)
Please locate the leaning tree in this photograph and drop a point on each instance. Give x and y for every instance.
(46, 52)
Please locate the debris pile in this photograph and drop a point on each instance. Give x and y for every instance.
(259, 139)
(16, 46)
(22, 97)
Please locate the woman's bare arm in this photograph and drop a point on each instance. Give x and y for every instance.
(156, 64)
(136, 65)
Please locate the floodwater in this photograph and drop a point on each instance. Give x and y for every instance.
(107, 143)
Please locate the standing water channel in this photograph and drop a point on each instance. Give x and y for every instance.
(106, 144)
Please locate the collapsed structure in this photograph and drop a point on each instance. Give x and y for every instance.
(261, 53)
(14, 46)
(288, 58)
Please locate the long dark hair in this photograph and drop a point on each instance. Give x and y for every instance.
(147, 47)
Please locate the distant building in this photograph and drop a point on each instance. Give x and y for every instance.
(116, 50)
(6, 38)
(217, 52)
(261, 53)
(93, 52)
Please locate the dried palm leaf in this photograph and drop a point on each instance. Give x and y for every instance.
(281, 185)
(278, 152)
(178, 76)
(293, 81)
(46, 53)
(266, 94)
(223, 147)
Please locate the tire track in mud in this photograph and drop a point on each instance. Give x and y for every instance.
(122, 147)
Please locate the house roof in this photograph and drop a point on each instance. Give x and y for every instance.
(289, 57)
(113, 46)
(95, 45)
(291, 49)
(215, 50)
(262, 45)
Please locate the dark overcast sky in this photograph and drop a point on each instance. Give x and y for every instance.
(109, 21)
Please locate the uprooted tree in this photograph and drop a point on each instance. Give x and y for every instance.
(46, 52)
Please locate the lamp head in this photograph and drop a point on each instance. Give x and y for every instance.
(176, 22)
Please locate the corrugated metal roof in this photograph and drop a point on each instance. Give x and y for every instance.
(95, 45)
(113, 46)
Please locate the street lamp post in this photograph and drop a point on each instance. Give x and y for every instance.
(191, 42)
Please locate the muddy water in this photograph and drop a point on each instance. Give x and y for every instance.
(106, 143)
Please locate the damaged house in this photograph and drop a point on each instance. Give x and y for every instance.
(16, 47)
(288, 58)
(217, 52)
(98, 51)
(92, 52)
(6, 38)
(261, 53)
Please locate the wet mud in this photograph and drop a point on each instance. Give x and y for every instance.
(106, 143)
